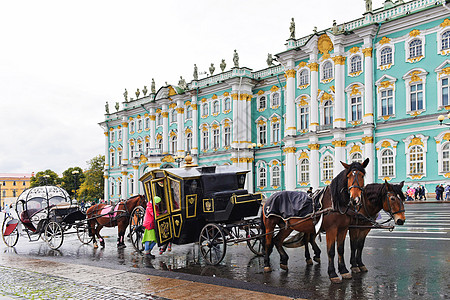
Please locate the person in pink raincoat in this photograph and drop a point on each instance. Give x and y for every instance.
(149, 238)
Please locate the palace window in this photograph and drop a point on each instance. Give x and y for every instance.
(160, 144)
(304, 170)
(189, 112)
(262, 102)
(415, 48)
(262, 176)
(119, 158)
(120, 188)
(416, 158)
(387, 163)
(111, 160)
(303, 78)
(444, 90)
(132, 127)
(416, 96)
(215, 107)
(327, 168)
(140, 146)
(262, 134)
(205, 110)
(446, 158)
(387, 102)
(304, 118)
(386, 56)
(173, 144)
(112, 136)
(445, 40)
(356, 107)
(328, 112)
(227, 136)
(227, 104)
(119, 134)
(327, 70)
(131, 186)
(275, 132)
(159, 120)
(216, 138)
(276, 178)
(205, 140)
(173, 116)
(189, 142)
(355, 64)
(275, 99)
(112, 187)
(356, 157)
(147, 123)
(139, 128)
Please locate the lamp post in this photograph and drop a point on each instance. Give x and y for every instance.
(75, 174)
(254, 147)
(179, 159)
(441, 118)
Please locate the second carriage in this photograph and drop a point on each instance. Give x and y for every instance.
(206, 204)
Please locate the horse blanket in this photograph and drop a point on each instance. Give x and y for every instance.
(290, 204)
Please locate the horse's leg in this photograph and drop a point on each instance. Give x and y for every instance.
(331, 235)
(92, 232)
(100, 238)
(353, 233)
(306, 241)
(121, 232)
(340, 248)
(360, 247)
(315, 247)
(278, 241)
(268, 247)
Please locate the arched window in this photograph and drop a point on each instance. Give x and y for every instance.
(304, 170)
(303, 77)
(215, 107)
(120, 188)
(111, 160)
(356, 107)
(387, 163)
(327, 168)
(262, 102)
(173, 144)
(262, 134)
(159, 120)
(132, 127)
(355, 64)
(415, 48)
(262, 176)
(276, 178)
(119, 157)
(327, 70)
(328, 112)
(159, 143)
(445, 42)
(112, 136)
(147, 123)
(205, 111)
(387, 102)
(227, 136)
(189, 112)
(275, 132)
(205, 140)
(112, 187)
(304, 117)
(119, 134)
(446, 158)
(276, 99)
(131, 186)
(356, 157)
(416, 160)
(416, 96)
(216, 138)
(139, 127)
(173, 116)
(227, 104)
(189, 142)
(140, 146)
(386, 56)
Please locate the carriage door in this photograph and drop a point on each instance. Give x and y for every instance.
(163, 220)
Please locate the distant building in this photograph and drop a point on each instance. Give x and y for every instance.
(368, 88)
(12, 185)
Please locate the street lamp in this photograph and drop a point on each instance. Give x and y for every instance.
(75, 173)
(254, 147)
(179, 159)
(441, 119)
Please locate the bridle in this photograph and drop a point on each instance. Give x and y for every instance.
(387, 199)
(355, 183)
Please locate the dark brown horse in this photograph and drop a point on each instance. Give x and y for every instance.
(103, 215)
(344, 192)
(376, 197)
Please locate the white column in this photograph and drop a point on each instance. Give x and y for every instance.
(248, 110)
(339, 152)
(106, 188)
(314, 165)
(180, 125)
(152, 128)
(339, 105)
(368, 84)
(126, 147)
(165, 135)
(235, 134)
(124, 186)
(314, 105)
(195, 129)
(290, 178)
(290, 128)
(107, 154)
(136, 180)
(369, 153)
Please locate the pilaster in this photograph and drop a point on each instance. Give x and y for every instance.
(165, 136)
(126, 146)
(314, 167)
(152, 128)
(180, 126)
(369, 153)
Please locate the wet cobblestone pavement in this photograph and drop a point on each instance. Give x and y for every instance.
(23, 284)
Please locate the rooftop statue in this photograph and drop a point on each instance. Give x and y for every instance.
(223, 65)
(211, 69)
(315, 29)
(368, 5)
(182, 83)
(145, 90)
(236, 59)
(292, 29)
(269, 59)
(153, 87)
(334, 29)
(125, 95)
(117, 106)
(107, 108)
(137, 94)
(195, 72)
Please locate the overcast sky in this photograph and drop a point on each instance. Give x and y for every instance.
(60, 61)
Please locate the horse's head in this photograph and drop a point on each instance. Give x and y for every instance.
(393, 202)
(138, 200)
(355, 179)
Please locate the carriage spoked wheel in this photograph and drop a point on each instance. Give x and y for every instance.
(212, 244)
(54, 235)
(83, 233)
(136, 228)
(256, 244)
(10, 238)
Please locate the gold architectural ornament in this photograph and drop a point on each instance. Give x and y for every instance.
(386, 117)
(314, 146)
(172, 105)
(444, 72)
(152, 117)
(234, 160)
(194, 106)
(367, 139)
(367, 52)
(339, 60)
(105, 176)
(261, 122)
(165, 114)
(168, 158)
(125, 124)
(354, 50)
(339, 143)
(327, 182)
(290, 73)
(304, 154)
(325, 97)
(447, 175)
(158, 136)
(355, 148)
(180, 110)
(384, 40)
(303, 102)
(172, 91)
(234, 96)
(188, 130)
(289, 149)
(226, 94)
(303, 183)
(415, 113)
(118, 127)
(445, 23)
(415, 59)
(274, 88)
(111, 129)
(340, 120)
(214, 97)
(111, 150)
(226, 124)
(417, 176)
(203, 100)
(172, 134)
(415, 142)
(387, 178)
(302, 64)
(134, 167)
(304, 86)
(138, 117)
(415, 77)
(153, 165)
(326, 56)
(313, 67)
(124, 173)
(324, 44)
(414, 33)
(274, 119)
(106, 133)
(187, 103)
(130, 119)
(158, 111)
(355, 90)
(385, 84)
(131, 142)
(275, 163)
(354, 74)
(446, 137)
(215, 126)
(385, 144)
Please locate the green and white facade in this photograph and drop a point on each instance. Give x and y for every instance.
(371, 87)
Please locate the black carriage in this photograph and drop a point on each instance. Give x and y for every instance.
(206, 204)
(46, 213)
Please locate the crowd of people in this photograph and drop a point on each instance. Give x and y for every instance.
(442, 193)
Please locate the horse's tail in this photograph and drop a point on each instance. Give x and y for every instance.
(263, 228)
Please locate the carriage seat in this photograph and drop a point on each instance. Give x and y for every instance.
(63, 205)
(26, 215)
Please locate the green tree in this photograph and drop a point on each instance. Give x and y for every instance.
(93, 185)
(72, 179)
(47, 177)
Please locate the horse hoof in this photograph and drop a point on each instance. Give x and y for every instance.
(95, 246)
(355, 270)
(121, 246)
(363, 269)
(317, 259)
(284, 267)
(267, 269)
(309, 262)
(336, 280)
(346, 276)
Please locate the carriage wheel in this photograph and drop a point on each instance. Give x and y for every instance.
(256, 244)
(83, 233)
(212, 243)
(12, 238)
(54, 235)
(136, 228)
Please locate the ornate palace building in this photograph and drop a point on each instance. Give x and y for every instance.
(371, 87)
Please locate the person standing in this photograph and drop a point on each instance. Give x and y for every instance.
(441, 192)
(7, 210)
(447, 192)
(149, 238)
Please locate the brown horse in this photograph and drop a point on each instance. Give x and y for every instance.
(344, 192)
(377, 196)
(103, 215)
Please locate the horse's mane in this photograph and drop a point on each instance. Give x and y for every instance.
(339, 186)
(375, 192)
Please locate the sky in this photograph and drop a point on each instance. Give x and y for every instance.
(60, 61)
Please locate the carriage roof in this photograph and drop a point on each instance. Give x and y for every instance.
(47, 193)
(196, 172)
